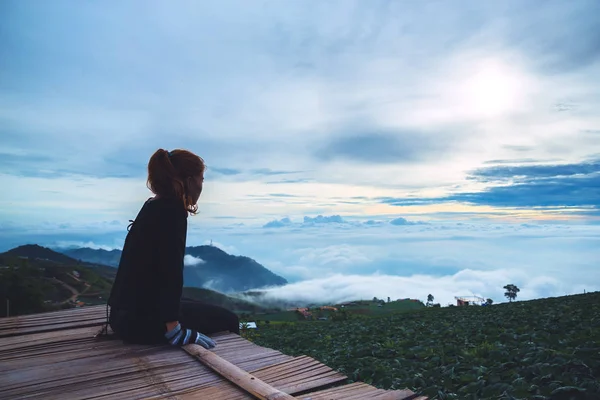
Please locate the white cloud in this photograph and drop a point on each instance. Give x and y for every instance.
(334, 256)
(192, 261)
(278, 223)
(403, 222)
(73, 244)
(487, 284)
(319, 219)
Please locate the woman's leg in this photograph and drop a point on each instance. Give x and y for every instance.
(207, 318)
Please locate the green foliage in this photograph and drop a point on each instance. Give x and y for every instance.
(40, 285)
(429, 300)
(511, 291)
(24, 289)
(541, 349)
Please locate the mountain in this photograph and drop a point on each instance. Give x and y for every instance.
(226, 273)
(35, 252)
(33, 280)
(97, 256)
(215, 268)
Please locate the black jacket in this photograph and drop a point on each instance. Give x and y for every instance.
(149, 280)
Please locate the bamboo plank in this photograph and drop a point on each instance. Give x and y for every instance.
(25, 320)
(318, 370)
(326, 379)
(281, 369)
(48, 328)
(332, 392)
(56, 356)
(236, 375)
(50, 317)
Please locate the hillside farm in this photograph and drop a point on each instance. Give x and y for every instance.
(545, 349)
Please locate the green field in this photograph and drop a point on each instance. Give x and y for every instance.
(540, 349)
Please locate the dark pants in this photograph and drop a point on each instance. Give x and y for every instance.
(201, 317)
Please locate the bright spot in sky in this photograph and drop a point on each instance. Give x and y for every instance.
(493, 89)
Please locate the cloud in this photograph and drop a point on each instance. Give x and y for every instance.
(307, 221)
(190, 260)
(385, 148)
(281, 195)
(336, 256)
(403, 222)
(340, 288)
(278, 223)
(77, 244)
(527, 172)
(226, 171)
(270, 172)
(543, 192)
(558, 50)
(570, 185)
(372, 222)
(320, 219)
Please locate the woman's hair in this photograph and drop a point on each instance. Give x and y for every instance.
(168, 173)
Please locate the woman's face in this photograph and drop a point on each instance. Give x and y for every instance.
(195, 187)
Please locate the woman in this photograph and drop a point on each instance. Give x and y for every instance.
(145, 301)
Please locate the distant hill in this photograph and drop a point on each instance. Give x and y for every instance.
(216, 269)
(37, 279)
(38, 284)
(34, 251)
(97, 256)
(227, 273)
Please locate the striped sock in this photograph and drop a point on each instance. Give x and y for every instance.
(181, 337)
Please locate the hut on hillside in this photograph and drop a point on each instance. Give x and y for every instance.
(469, 301)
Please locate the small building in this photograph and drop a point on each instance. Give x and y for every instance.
(248, 325)
(330, 308)
(469, 301)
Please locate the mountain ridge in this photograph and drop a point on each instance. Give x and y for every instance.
(217, 270)
(36, 251)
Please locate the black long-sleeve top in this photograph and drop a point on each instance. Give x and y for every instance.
(149, 280)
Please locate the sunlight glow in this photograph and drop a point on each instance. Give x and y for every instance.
(493, 89)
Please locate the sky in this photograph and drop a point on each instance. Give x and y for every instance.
(356, 148)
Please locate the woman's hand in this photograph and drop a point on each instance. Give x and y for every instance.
(172, 325)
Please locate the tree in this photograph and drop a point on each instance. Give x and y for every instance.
(511, 291)
(429, 300)
(388, 299)
(489, 302)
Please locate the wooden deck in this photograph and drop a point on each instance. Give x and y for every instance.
(57, 356)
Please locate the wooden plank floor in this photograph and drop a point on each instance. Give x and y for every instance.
(56, 356)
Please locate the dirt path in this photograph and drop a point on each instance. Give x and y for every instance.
(70, 288)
